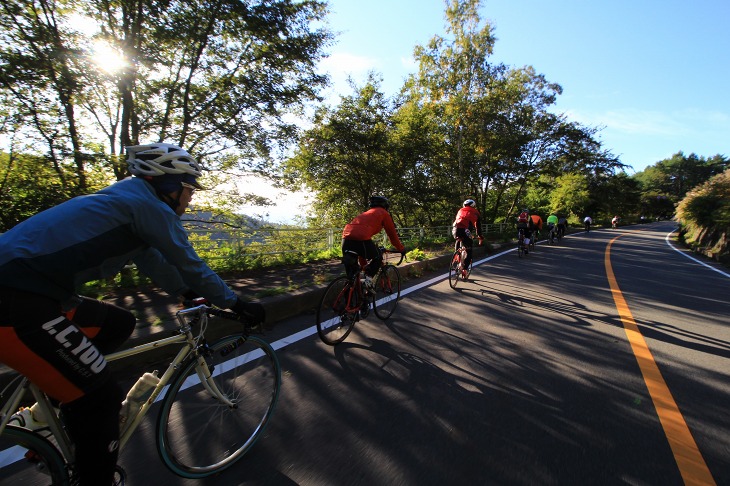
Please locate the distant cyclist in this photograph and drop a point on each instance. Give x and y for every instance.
(357, 238)
(614, 222)
(552, 225)
(587, 221)
(524, 223)
(467, 220)
(536, 225)
(562, 226)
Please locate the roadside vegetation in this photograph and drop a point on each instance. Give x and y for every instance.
(705, 218)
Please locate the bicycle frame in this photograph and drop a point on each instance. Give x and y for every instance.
(357, 282)
(190, 343)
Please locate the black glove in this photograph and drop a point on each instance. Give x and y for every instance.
(252, 314)
(190, 295)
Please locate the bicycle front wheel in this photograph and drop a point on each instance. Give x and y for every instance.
(387, 292)
(337, 312)
(207, 424)
(28, 458)
(455, 269)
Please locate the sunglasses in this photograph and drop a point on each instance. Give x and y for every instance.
(189, 186)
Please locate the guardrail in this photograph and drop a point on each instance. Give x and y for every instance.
(275, 241)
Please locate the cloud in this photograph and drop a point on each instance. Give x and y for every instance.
(633, 122)
(340, 63)
(409, 64)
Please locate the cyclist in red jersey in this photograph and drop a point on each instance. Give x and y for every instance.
(468, 219)
(536, 224)
(357, 237)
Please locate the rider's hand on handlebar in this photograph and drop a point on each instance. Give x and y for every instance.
(251, 314)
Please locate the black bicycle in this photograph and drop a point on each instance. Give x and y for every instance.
(346, 300)
(520, 242)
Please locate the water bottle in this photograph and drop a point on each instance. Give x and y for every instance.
(136, 396)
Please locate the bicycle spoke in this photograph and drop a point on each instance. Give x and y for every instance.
(200, 434)
(337, 312)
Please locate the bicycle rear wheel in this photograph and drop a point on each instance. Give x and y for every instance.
(387, 291)
(455, 269)
(198, 433)
(337, 312)
(28, 458)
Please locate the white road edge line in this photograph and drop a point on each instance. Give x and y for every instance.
(666, 239)
(305, 333)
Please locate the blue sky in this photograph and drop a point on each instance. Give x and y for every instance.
(655, 74)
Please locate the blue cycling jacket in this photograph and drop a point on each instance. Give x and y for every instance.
(92, 237)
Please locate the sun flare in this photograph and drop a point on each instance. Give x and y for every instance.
(108, 58)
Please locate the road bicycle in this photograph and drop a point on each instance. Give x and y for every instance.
(216, 400)
(520, 242)
(552, 234)
(456, 268)
(561, 232)
(533, 240)
(346, 301)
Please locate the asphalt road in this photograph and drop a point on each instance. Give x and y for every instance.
(534, 372)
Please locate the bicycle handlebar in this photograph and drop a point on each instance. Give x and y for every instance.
(210, 310)
(385, 251)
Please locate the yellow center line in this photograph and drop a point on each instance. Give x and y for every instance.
(691, 464)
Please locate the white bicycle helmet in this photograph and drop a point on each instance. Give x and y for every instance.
(155, 159)
(470, 202)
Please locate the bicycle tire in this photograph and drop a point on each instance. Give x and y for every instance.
(387, 291)
(455, 269)
(28, 458)
(338, 311)
(197, 435)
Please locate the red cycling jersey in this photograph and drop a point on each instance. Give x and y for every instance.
(536, 221)
(370, 223)
(467, 218)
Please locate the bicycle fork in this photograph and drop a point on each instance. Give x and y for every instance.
(204, 370)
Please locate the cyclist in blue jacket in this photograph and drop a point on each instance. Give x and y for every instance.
(57, 338)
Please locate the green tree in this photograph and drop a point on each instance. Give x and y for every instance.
(215, 76)
(40, 79)
(28, 185)
(570, 195)
(454, 74)
(346, 156)
(674, 176)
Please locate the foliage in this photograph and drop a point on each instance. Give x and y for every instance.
(28, 185)
(674, 176)
(416, 255)
(705, 215)
(218, 78)
(346, 157)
